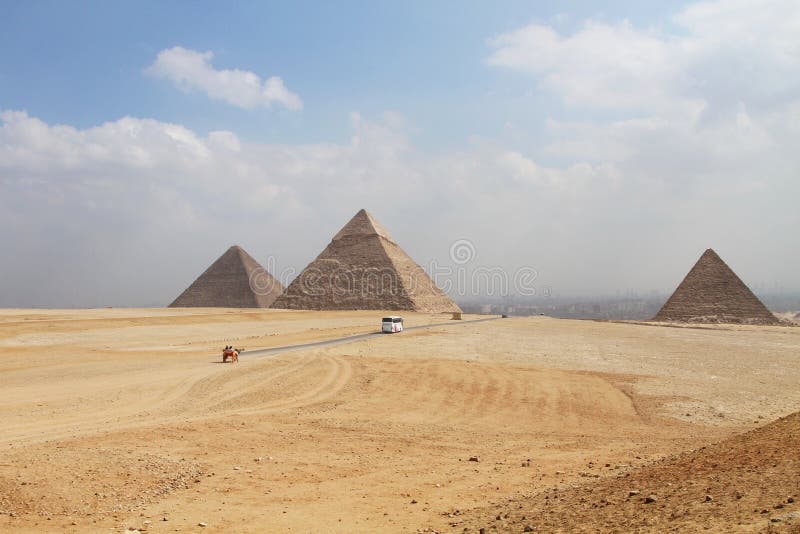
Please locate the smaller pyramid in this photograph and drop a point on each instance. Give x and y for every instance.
(235, 280)
(363, 268)
(712, 293)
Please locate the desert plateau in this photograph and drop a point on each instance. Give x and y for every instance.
(121, 420)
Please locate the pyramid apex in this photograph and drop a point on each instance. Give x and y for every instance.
(236, 251)
(363, 223)
(710, 255)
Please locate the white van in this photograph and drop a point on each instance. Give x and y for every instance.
(390, 325)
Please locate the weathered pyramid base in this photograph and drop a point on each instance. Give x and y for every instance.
(720, 319)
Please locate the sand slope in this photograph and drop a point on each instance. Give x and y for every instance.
(748, 483)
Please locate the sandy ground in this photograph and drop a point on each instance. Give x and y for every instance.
(118, 420)
(747, 483)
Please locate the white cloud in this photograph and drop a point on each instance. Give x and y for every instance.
(704, 133)
(728, 52)
(715, 99)
(599, 66)
(192, 70)
(130, 211)
(153, 201)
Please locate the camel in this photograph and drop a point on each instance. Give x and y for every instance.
(232, 353)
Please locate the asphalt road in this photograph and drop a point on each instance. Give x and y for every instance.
(261, 353)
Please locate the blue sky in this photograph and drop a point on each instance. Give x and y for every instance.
(81, 64)
(605, 144)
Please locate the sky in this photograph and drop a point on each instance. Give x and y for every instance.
(599, 148)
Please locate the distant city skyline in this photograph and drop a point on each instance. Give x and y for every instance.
(603, 146)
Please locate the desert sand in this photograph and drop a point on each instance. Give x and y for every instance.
(125, 419)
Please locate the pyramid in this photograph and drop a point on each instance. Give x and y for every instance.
(235, 280)
(363, 268)
(712, 293)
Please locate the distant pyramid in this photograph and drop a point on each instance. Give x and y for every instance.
(235, 280)
(712, 293)
(364, 269)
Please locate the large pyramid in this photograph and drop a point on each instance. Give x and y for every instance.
(712, 293)
(235, 280)
(364, 269)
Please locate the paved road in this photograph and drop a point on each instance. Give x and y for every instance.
(261, 353)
